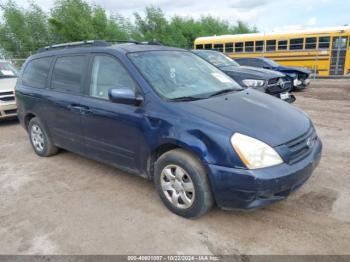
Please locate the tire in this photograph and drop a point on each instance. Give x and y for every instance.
(40, 140)
(187, 181)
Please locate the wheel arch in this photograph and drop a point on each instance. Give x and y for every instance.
(167, 146)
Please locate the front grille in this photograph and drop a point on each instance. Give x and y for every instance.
(273, 81)
(6, 93)
(300, 147)
(10, 112)
(7, 96)
(278, 85)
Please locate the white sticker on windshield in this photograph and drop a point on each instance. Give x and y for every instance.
(222, 78)
(7, 73)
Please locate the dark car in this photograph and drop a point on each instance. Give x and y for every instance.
(267, 81)
(167, 115)
(299, 76)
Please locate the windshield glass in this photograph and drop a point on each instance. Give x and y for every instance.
(217, 59)
(7, 70)
(177, 74)
(271, 62)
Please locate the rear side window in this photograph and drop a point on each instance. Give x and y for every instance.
(239, 47)
(282, 45)
(229, 47)
(296, 44)
(36, 72)
(323, 42)
(249, 46)
(310, 43)
(199, 46)
(219, 47)
(108, 73)
(259, 46)
(270, 45)
(67, 75)
(207, 46)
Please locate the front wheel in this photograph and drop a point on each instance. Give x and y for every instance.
(39, 139)
(182, 183)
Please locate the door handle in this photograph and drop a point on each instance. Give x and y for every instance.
(74, 108)
(81, 109)
(84, 110)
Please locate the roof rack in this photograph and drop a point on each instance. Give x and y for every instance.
(87, 43)
(90, 43)
(136, 42)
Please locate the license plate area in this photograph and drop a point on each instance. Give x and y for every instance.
(284, 96)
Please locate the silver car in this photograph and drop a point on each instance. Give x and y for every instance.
(8, 78)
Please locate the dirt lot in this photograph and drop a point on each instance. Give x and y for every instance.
(68, 204)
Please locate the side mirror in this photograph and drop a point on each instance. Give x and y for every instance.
(124, 96)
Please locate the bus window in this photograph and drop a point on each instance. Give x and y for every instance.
(282, 44)
(239, 47)
(207, 46)
(229, 47)
(219, 47)
(259, 46)
(199, 46)
(249, 46)
(296, 44)
(270, 45)
(323, 42)
(310, 43)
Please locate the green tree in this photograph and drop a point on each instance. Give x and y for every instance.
(243, 28)
(152, 27)
(22, 31)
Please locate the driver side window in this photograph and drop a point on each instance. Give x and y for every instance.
(108, 73)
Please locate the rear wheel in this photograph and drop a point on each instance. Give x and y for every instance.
(39, 138)
(182, 183)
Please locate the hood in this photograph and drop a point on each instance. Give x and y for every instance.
(244, 72)
(252, 113)
(291, 69)
(7, 84)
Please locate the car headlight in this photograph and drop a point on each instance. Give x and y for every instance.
(253, 82)
(254, 153)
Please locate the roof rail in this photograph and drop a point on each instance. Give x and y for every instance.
(136, 42)
(87, 43)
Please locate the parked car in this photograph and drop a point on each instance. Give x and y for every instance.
(299, 76)
(8, 78)
(167, 115)
(267, 81)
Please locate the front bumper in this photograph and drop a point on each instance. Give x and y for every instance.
(245, 189)
(8, 110)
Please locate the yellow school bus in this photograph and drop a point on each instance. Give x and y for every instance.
(324, 51)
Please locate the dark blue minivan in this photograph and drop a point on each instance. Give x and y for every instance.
(171, 117)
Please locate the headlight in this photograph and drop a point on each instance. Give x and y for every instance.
(253, 82)
(254, 153)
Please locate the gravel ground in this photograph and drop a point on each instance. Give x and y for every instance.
(68, 204)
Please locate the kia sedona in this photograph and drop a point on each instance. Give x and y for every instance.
(169, 116)
(264, 80)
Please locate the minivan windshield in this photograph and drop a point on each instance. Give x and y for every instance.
(180, 75)
(217, 59)
(7, 70)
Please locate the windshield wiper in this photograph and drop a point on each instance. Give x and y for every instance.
(224, 91)
(186, 98)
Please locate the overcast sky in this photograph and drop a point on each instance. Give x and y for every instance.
(267, 15)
